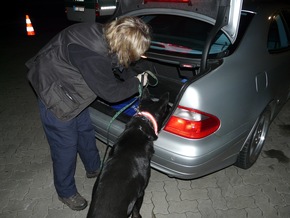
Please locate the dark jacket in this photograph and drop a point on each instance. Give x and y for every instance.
(74, 68)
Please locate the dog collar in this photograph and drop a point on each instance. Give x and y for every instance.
(151, 118)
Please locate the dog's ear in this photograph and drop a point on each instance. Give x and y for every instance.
(151, 135)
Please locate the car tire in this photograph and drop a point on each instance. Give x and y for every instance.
(255, 142)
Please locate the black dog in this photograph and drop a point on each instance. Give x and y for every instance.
(120, 187)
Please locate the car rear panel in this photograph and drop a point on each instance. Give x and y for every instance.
(231, 91)
(176, 74)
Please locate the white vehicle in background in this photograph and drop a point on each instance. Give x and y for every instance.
(89, 10)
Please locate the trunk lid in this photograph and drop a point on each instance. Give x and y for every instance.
(226, 13)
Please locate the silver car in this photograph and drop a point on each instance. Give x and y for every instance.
(226, 65)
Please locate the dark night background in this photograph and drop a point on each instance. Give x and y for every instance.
(46, 16)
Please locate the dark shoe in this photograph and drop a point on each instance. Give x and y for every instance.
(93, 174)
(75, 202)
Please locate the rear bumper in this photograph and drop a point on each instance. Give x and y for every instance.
(188, 161)
(195, 167)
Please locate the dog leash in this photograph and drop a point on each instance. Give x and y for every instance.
(140, 89)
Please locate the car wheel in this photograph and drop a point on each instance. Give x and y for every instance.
(255, 142)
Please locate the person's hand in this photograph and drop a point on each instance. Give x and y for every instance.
(145, 78)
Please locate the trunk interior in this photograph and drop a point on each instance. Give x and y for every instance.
(171, 78)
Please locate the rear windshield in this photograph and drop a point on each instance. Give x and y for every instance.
(183, 35)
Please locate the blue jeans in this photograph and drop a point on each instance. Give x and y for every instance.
(66, 140)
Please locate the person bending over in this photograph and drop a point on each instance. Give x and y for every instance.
(67, 74)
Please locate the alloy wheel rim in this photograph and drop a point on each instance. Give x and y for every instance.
(259, 137)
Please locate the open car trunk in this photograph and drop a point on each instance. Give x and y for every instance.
(171, 78)
(174, 71)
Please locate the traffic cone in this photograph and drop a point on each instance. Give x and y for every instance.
(29, 27)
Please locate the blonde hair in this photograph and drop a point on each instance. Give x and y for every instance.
(128, 37)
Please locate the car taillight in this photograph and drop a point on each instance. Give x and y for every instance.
(192, 123)
(97, 10)
(172, 1)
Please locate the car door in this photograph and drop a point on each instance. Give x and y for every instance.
(278, 45)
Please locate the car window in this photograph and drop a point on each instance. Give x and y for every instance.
(278, 37)
(286, 16)
(172, 33)
(187, 36)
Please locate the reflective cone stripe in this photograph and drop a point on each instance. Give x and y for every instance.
(29, 27)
